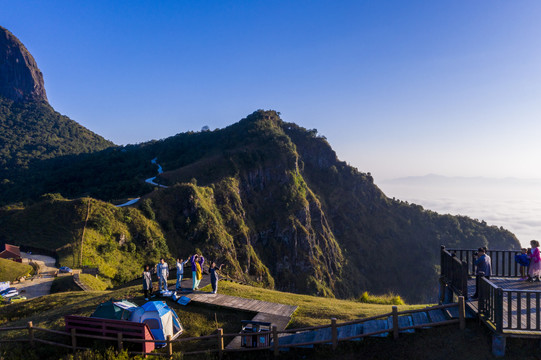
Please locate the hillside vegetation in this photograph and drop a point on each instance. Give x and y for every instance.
(268, 198)
(120, 241)
(11, 270)
(32, 131)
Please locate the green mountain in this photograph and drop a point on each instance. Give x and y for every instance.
(30, 129)
(272, 201)
(267, 198)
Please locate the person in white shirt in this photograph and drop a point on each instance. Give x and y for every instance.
(162, 269)
(180, 271)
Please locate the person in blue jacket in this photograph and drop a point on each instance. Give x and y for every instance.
(524, 261)
(483, 263)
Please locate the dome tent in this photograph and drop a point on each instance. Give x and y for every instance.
(160, 318)
(115, 310)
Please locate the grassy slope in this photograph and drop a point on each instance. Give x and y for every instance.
(93, 282)
(311, 310)
(11, 270)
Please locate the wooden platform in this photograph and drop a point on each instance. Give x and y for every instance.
(511, 311)
(277, 314)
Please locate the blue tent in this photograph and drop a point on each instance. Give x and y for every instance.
(160, 318)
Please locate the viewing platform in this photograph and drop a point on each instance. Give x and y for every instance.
(510, 307)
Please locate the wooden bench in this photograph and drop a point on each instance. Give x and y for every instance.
(111, 328)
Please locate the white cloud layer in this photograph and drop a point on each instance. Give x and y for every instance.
(512, 203)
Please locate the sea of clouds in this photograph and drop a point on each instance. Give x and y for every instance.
(512, 203)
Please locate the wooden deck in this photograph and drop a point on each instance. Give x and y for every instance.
(514, 310)
(277, 314)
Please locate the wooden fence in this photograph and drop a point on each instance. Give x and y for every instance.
(503, 261)
(454, 272)
(71, 338)
(509, 310)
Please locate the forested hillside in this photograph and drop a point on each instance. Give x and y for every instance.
(271, 200)
(34, 131)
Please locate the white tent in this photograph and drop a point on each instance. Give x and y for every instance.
(160, 318)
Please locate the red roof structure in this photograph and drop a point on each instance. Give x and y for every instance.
(10, 252)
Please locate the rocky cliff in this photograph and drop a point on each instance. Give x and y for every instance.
(20, 77)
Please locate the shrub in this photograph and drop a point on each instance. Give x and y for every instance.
(387, 299)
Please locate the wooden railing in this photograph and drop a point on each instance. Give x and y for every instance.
(216, 340)
(503, 261)
(509, 310)
(454, 272)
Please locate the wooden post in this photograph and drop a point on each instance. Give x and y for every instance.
(31, 333)
(395, 322)
(169, 347)
(464, 278)
(120, 345)
(73, 340)
(334, 333)
(498, 310)
(275, 340)
(462, 312)
(220, 336)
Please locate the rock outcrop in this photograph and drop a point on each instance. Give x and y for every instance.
(20, 78)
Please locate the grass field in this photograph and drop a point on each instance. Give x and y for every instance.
(311, 310)
(11, 270)
(93, 282)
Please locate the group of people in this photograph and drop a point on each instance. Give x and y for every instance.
(162, 271)
(529, 261)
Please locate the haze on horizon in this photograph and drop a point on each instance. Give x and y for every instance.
(398, 88)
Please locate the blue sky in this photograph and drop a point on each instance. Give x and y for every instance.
(399, 88)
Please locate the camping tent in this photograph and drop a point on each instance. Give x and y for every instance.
(160, 318)
(116, 310)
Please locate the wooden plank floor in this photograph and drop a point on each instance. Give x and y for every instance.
(238, 303)
(274, 313)
(516, 318)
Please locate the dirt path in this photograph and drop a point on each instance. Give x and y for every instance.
(38, 285)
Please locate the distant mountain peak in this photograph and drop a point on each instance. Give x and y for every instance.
(20, 78)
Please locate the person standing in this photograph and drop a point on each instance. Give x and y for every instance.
(535, 262)
(180, 271)
(162, 269)
(197, 270)
(214, 276)
(147, 282)
(523, 262)
(484, 268)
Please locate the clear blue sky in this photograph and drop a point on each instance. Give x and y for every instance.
(399, 88)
